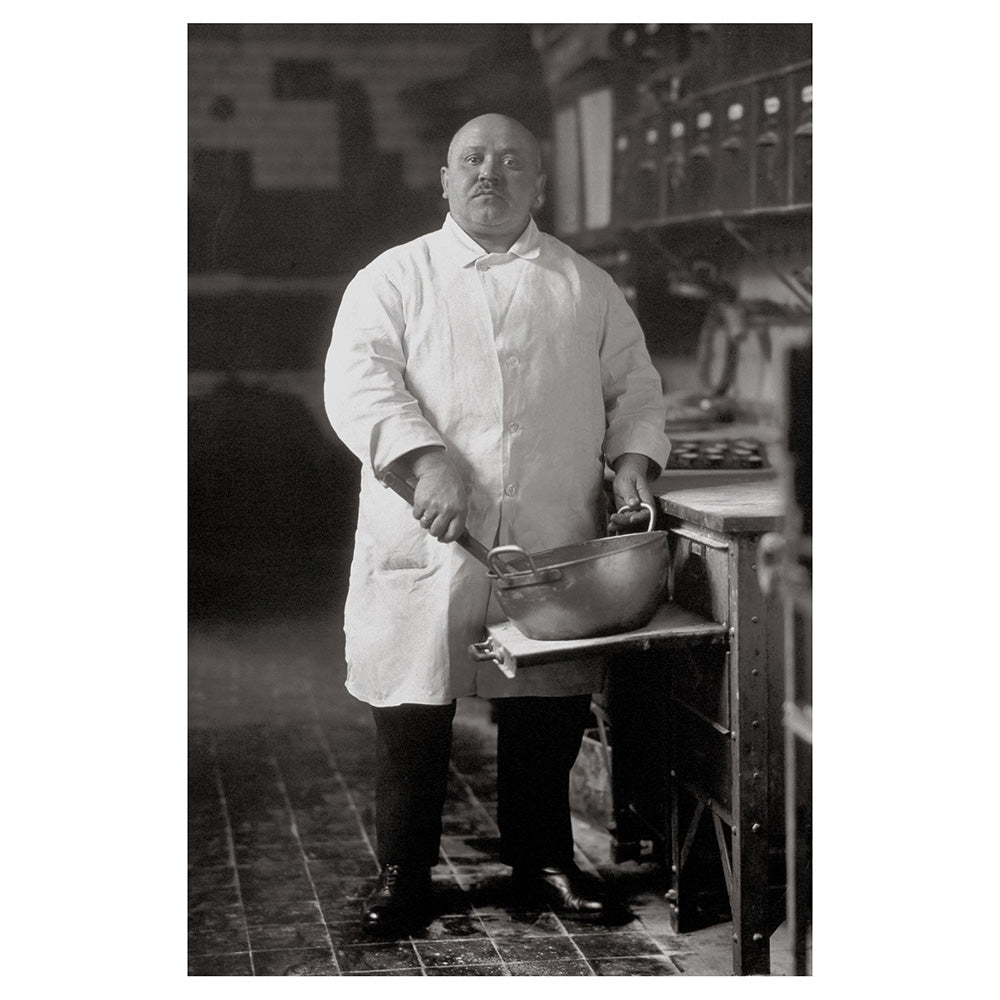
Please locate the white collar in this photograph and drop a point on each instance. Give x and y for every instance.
(467, 251)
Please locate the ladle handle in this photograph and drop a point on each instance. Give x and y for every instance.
(471, 545)
(652, 513)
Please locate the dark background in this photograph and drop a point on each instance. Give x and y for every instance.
(312, 149)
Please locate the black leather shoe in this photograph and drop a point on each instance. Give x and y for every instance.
(400, 902)
(563, 888)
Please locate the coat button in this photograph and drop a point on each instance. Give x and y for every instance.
(513, 361)
(483, 266)
(510, 489)
(514, 427)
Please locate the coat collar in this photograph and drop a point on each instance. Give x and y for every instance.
(465, 251)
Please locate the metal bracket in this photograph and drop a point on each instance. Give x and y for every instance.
(486, 650)
(489, 650)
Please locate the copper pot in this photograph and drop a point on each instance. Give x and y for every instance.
(587, 589)
(577, 591)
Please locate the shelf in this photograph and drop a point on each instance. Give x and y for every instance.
(221, 283)
(672, 625)
(715, 215)
(611, 238)
(720, 87)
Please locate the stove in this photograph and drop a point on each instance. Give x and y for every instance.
(717, 454)
(726, 454)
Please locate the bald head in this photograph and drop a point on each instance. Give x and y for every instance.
(493, 180)
(492, 122)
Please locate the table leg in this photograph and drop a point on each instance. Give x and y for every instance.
(750, 725)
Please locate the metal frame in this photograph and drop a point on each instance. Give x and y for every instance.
(752, 633)
(755, 665)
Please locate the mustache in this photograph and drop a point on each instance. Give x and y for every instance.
(486, 188)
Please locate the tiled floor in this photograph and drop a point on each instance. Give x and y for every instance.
(281, 836)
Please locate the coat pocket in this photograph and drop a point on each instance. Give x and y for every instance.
(404, 552)
(394, 539)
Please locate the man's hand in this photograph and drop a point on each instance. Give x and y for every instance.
(440, 502)
(630, 489)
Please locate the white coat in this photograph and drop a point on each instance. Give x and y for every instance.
(531, 370)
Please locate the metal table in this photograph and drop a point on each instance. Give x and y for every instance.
(715, 648)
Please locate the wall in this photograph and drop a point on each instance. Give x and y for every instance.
(296, 101)
(312, 147)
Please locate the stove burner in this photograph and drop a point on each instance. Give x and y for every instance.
(740, 453)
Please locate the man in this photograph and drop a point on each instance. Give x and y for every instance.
(498, 371)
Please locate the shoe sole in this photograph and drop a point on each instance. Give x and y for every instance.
(532, 897)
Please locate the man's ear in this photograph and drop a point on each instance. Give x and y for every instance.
(444, 182)
(540, 196)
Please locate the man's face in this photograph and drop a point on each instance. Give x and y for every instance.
(493, 179)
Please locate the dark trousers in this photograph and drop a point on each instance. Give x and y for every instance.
(538, 740)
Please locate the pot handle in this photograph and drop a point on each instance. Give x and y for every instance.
(485, 650)
(501, 569)
(489, 650)
(652, 514)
